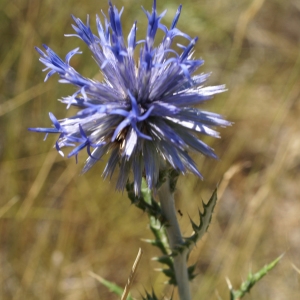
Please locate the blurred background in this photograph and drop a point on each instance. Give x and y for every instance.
(57, 225)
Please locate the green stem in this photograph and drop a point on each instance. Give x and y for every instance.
(166, 198)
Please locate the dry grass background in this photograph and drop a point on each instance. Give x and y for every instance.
(56, 226)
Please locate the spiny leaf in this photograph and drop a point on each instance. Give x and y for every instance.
(191, 270)
(167, 260)
(148, 204)
(161, 240)
(169, 273)
(152, 296)
(149, 296)
(145, 201)
(155, 243)
(251, 280)
(199, 230)
(146, 192)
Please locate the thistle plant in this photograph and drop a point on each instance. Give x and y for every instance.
(143, 115)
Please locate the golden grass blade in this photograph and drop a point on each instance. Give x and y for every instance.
(132, 274)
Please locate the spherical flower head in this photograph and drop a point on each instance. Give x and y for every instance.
(141, 114)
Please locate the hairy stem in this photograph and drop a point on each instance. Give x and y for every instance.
(175, 239)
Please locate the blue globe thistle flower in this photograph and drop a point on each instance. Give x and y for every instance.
(141, 112)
